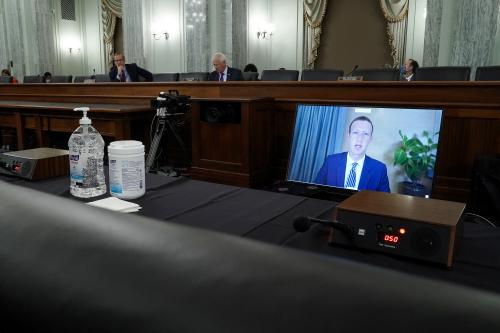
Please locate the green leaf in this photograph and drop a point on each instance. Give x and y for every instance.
(400, 157)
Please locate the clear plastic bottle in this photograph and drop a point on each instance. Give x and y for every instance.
(86, 154)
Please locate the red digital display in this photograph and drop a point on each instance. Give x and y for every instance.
(391, 239)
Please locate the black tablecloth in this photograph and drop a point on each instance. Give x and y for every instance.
(268, 216)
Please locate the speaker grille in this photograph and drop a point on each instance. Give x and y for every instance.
(68, 10)
(426, 242)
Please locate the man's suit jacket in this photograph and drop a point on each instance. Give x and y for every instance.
(233, 74)
(373, 175)
(133, 71)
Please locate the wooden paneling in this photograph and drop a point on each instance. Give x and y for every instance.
(471, 123)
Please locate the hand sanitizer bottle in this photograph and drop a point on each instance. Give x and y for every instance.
(86, 153)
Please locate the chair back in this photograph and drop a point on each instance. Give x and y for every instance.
(61, 79)
(443, 73)
(488, 73)
(321, 74)
(378, 74)
(32, 79)
(250, 76)
(166, 77)
(279, 75)
(80, 78)
(193, 76)
(102, 78)
(5, 79)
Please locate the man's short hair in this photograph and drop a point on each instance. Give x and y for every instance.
(220, 56)
(116, 54)
(360, 118)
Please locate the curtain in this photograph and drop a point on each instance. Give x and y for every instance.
(45, 36)
(196, 35)
(396, 15)
(11, 39)
(133, 34)
(318, 133)
(111, 9)
(314, 12)
(473, 37)
(432, 32)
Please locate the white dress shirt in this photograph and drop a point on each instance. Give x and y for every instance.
(359, 169)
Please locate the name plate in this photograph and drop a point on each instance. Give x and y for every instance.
(350, 78)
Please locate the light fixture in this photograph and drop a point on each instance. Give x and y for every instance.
(265, 31)
(74, 50)
(156, 36)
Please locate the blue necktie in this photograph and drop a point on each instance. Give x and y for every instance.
(221, 78)
(351, 179)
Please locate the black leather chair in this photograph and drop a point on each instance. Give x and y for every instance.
(250, 76)
(32, 79)
(378, 74)
(488, 73)
(70, 267)
(102, 78)
(5, 79)
(193, 76)
(81, 79)
(321, 74)
(61, 79)
(443, 73)
(279, 75)
(166, 77)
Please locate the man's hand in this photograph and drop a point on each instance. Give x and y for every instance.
(120, 69)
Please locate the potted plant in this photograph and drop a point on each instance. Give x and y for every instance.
(417, 158)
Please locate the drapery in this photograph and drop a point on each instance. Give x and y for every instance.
(45, 28)
(432, 32)
(11, 39)
(473, 37)
(396, 15)
(314, 12)
(111, 9)
(133, 31)
(318, 133)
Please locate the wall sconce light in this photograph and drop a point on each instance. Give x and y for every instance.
(74, 50)
(157, 36)
(265, 31)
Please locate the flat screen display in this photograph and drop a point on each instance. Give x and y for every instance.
(365, 148)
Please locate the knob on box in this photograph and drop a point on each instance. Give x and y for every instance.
(424, 229)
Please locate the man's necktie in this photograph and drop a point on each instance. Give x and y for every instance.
(221, 77)
(351, 179)
(122, 77)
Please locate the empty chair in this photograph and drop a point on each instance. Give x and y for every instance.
(378, 74)
(32, 79)
(166, 77)
(444, 73)
(279, 75)
(61, 79)
(102, 78)
(193, 76)
(321, 74)
(488, 73)
(81, 79)
(5, 79)
(250, 76)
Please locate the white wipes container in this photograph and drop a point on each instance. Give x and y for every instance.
(126, 169)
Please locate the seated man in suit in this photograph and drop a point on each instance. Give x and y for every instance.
(409, 70)
(354, 169)
(223, 72)
(122, 72)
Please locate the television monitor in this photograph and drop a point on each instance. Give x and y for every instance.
(390, 149)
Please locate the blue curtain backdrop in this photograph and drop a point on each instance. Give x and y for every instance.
(319, 131)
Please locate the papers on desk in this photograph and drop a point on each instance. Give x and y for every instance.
(115, 204)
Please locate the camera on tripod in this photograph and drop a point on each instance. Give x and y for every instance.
(171, 102)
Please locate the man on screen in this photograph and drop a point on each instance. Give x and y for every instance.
(354, 169)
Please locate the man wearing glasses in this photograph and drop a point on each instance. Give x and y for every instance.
(223, 72)
(122, 72)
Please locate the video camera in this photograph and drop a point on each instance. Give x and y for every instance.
(172, 102)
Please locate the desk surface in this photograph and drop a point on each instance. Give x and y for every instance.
(108, 108)
(268, 217)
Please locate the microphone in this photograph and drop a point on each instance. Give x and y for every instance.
(303, 223)
(350, 73)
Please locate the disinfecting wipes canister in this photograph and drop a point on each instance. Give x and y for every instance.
(126, 169)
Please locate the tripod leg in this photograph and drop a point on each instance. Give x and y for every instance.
(160, 128)
(177, 137)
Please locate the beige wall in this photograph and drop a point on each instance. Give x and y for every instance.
(354, 32)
